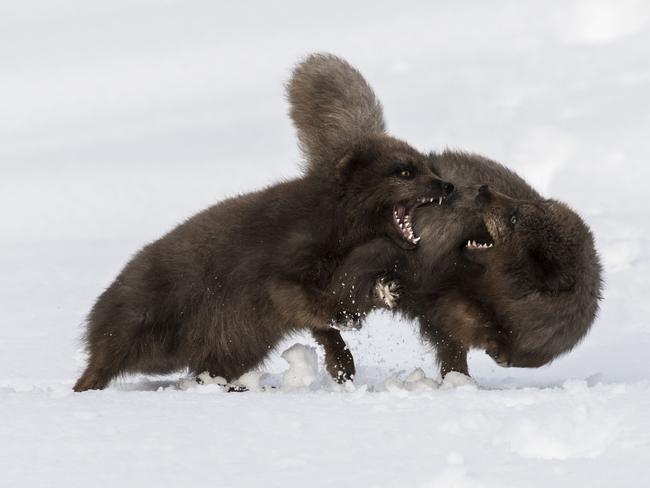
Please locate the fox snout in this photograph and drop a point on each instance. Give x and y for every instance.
(440, 187)
(447, 188)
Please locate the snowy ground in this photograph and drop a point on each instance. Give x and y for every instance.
(121, 118)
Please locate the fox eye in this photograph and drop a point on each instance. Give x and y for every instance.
(405, 173)
(513, 219)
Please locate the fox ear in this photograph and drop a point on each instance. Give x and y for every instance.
(346, 165)
(556, 266)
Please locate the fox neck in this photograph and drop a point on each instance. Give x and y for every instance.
(354, 224)
(358, 227)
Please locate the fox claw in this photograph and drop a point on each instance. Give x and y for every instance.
(387, 292)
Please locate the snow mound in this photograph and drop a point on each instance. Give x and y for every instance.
(203, 383)
(414, 381)
(455, 379)
(303, 367)
(251, 381)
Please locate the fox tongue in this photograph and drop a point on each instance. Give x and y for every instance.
(401, 211)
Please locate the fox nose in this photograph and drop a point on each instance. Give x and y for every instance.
(447, 188)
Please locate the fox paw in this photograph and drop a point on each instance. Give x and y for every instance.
(207, 378)
(498, 354)
(387, 292)
(340, 366)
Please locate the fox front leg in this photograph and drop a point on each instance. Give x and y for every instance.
(338, 358)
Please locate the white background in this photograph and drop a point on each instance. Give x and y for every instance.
(120, 119)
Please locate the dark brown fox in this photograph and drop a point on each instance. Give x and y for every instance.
(539, 290)
(534, 294)
(219, 291)
(500, 268)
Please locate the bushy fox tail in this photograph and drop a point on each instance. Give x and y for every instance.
(332, 107)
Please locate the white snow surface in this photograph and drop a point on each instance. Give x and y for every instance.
(122, 118)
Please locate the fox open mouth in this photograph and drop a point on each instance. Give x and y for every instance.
(403, 220)
(478, 240)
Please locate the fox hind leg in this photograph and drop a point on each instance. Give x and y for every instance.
(93, 378)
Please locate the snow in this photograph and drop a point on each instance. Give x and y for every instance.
(303, 367)
(416, 380)
(120, 119)
(456, 379)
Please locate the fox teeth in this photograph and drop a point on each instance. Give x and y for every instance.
(440, 201)
(474, 245)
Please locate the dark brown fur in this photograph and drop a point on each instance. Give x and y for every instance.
(219, 291)
(539, 291)
(527, 300)
(541, 282)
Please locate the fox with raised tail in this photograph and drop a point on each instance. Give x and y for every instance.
(219, 291)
